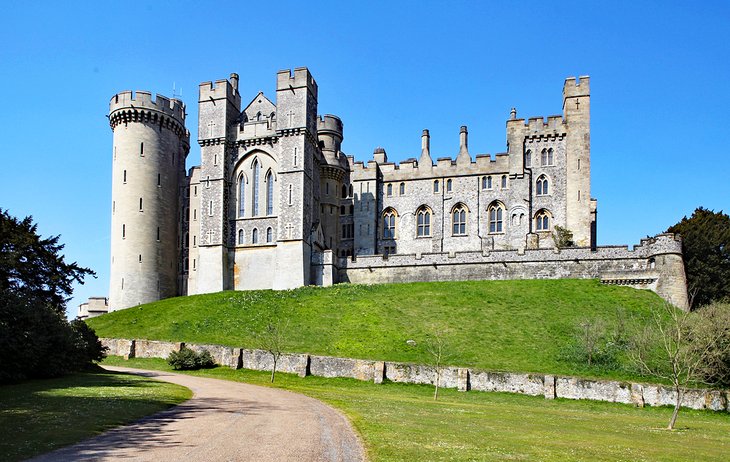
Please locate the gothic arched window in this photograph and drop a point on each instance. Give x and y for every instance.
(448, 185)
(458, 220)
(542, 220)
(528, 158)
(542, 185)
(495, 213)
(389, 224)
(240, 236)
(256, 175)
(423, 221)
(402, 189)
(436, 186)
(504, 181)
(489, 182)
(255, 236)
(269, 234)
(241, 195)
(269, 193)
(389, 189)
(344, 191)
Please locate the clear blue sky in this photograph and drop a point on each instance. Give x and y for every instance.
(660, 77)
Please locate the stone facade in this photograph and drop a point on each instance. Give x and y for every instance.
(276, 203)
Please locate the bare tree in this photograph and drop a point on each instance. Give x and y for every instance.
(272, 340)
(435, 347)
(591, 335)
(683, 347)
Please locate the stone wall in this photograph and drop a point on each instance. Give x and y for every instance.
(463, 379)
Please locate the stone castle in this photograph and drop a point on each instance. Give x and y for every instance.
(276, 203)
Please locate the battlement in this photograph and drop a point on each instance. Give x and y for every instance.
(661, 244)
(577, 87)
(329, 123)
(538, 126)
(220, 89)
(143, 100)
(301, 78)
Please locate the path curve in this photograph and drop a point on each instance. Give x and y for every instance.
(225, 421)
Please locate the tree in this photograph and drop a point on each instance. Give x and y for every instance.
(272, 339)
(36, 340)
(563, 237)
(683, 347)
(435, 347)
(706, 250)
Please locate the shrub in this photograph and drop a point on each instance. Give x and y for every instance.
(187, 360)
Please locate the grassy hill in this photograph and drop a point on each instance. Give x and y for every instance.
(504, 325)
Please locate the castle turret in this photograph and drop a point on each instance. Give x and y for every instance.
(148, 173)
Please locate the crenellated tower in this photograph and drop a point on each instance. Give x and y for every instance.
(150, 146)
(332, 174)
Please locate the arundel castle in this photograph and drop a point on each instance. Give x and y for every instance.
(276, 203)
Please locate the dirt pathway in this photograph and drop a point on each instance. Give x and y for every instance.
(225, 421)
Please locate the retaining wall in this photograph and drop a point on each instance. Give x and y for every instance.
(463, 379)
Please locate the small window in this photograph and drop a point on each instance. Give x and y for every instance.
(124, 231)
(458, 220)
(158, 233)
(269, 234)
(528, 158)
(436, 186)
(141, 149)
(504, 181)
(389, 189)
(448, 185)
(159, 180)
(484, 182)
(255, 236)
(489, 182)
(423, 222)
(210, 208)
(542, 221)
(351, 191)
(240, 236)
(542, 185)
(344, 191)
(326, 187)
(402, 189)
(140, 258)
(342, 209)
(290, 195)
(124, 176)
(140, 204)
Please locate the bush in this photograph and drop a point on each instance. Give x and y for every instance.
(188, 360)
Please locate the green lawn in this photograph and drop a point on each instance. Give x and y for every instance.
(402, 423)
(38, 416)
(498, 325)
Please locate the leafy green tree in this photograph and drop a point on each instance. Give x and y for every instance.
(36, 340)
(706, 248)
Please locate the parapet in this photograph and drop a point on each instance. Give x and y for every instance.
(220, 89)
(329, 123)
(666, 243)
(143, 100)
(577, 87)
(301, 78)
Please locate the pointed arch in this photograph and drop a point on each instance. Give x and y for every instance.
(255, 236)
(459, 214)
(423, 221)
(240, 237)
(269, 180)
(390, 216)
(542, 185)
(241, 190)
(269, 234)
(495, 215)
(543, 220)
(256, 167)
(528, 158)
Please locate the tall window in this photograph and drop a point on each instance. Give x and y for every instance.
(255, 236)
(484, 182)
(240, 236)
(269, 193)
(241, 195)
(542, 220)
(423, 222)
(436, 186)
(542, 185)
(344, 191)
(489, 182)
(458, 220)
(389, 224)
(528, 158)
(389, 189)
(504, 181)
(448, 185)
(546, 157)
(256, 172)
(402, 189)
(269, 234)
(495, 212)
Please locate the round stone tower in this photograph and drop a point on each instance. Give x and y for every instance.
(148, 178)
(329, 134)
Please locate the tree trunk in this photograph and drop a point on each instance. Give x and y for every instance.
(436, 392)
(677, 405)
(273, 371)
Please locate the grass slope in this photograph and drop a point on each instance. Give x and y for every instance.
(503, 325)
(403, 423)
(38, 416)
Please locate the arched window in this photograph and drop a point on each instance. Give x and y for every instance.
(269, 193)
(344, 191)
(542, 185)
(547, 157)
(448, 185)
(241, 195)
(504, 181)
(255, 236)
(352, 190)
(528, 158)
(484, 182)
(269, 234)
(550, 156)
(258, 116)
(256, 175)
(489, 182)
(240, 236)
(389, 189)
(542, 220)
(436, 186)
(458, 220)
(495, 213)
(423, 221)
(402, 189)
(543, 157)
(389, 224)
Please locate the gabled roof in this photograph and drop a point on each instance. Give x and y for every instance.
(260, 104)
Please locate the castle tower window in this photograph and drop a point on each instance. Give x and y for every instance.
(241, 195)
(550, 156)
(327, 187)
(402, 189)
(351, 191)
(158, 233)
(542, 185)
(448, 185)
(240, 236)
(195, 240)
(389, 224)
(542, 220)
(269, 193)
(344, 191)
(342, 209)
(352, 209)
(269, 234)
(256, 175)
(489, 182)
(495, 213)
(141, 149)
(504, 181)
(159, 180)
(528, 158)
(436, 186)
(484, 182)
(124, 175)
(140, 204)
(458, 220)
(255, 236)
(114, 206)
(290, 195)
(423, 221)
(124, 231)
(546, 157)
(210, 208)
(140, 258)
(389, 190)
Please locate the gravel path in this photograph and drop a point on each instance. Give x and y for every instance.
(225, 421)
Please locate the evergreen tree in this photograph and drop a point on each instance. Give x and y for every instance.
(706, 248)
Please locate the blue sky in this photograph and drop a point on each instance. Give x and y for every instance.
(660, 78)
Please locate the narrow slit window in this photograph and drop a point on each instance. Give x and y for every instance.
(141, 149)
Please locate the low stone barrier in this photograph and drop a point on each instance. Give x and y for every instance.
(463, 379)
